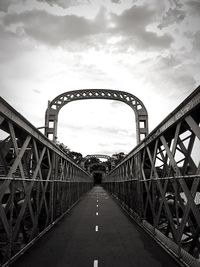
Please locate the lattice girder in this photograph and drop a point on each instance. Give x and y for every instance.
(168, 180)
(31, 183)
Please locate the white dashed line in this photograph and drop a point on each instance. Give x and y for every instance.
(95, 263)
(96, 228)
(97, 200)
(97, 206)
(97, 213)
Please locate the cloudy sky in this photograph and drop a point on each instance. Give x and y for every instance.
(148, 48)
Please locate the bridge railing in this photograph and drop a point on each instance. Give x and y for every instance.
(38, 184)
(158, 183)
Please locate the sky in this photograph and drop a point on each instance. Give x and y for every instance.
(150, 49)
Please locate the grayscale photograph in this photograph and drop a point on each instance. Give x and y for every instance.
(99, 133)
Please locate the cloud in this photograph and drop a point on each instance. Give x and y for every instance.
(117, 104)
(173, 15)
(183, 81)
(168, 62)
(116, 1)
(79, 32)
(194, 6)
(133, 19)
(37, 91)
(132, 26)
(196, 41)
(71, 126)
(55, 30)
(119, 144)
(4, 5)
(65, 4)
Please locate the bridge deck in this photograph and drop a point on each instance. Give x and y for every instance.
(75, 241)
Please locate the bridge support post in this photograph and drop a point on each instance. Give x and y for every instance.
(141, 125)
(51, 123)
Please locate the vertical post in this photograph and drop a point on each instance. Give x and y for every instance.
(11, 220)
(51, 115)
(142, 124)
(52, 198)
(138, 174)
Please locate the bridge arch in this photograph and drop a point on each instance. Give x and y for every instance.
(98, 164)
(54, 106)
(98, 156)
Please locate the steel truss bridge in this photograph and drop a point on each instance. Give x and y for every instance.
(98, 156)
(157, 184)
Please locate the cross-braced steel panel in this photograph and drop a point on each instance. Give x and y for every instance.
(51, 117)
(38, 183)
(159, 181)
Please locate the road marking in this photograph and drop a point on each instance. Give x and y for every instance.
(95, 263)
(97, 200)
(97, 213)
(96, 228)
(97, 206)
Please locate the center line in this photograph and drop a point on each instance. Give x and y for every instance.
(95, 263)
(96, 228)
(97, 200)
(97, 206)
(97, 213)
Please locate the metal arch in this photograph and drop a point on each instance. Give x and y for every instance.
(97, 156)
(54, 106)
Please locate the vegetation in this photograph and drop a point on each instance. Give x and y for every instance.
(78, 157)
(75, 156)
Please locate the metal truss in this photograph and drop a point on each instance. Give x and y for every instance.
(158, 183)
(38, 184)
(51, 117)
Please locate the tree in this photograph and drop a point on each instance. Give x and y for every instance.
(63, 147)
(118, 157)
(75, 156)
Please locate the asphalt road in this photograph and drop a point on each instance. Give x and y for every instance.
(96, 233)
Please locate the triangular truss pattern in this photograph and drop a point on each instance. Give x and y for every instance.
(34, 178)
(167, 179)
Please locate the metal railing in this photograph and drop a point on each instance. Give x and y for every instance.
(158, 183)
(38, 184)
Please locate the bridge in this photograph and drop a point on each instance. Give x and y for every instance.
(87, 158)
(144, 212)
